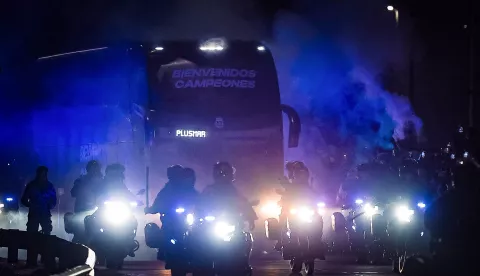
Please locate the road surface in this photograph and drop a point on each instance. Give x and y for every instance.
(334, 266)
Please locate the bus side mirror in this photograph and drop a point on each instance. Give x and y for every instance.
(294, 125)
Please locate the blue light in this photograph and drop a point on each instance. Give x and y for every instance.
(180, 210)
(421, 205)
(359, 201)
(172, 241)
(209, 218)
(9, 199)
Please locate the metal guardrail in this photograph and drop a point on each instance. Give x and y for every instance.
(72, 258)
(77, 271)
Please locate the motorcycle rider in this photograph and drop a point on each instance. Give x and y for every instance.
(114, 182)
(222, 193)
(452, 219)
(190, 177)
(40, 197)
(298, 188)
(85, 187)
(178, 189)
(85, 190)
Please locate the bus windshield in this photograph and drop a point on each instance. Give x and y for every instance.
(238, 82)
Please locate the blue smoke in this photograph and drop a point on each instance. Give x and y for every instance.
(347, 116)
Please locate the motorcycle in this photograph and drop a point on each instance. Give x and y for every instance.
(74, 223)
(379, 230)
(9, 211)
(111, 231)
(367, 230)
(170, 240)
(303, 241)
(219, 245)
(407, 234)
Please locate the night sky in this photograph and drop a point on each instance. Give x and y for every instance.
(33, 28)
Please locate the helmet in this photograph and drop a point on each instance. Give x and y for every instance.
(175, 172)
(115, 170)
(223, 171)
(301, 174)
(291, 166)
(93, 166)
(42, 169)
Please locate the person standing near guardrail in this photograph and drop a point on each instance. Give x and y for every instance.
(40, 198)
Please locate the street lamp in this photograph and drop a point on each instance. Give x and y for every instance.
(392, 8)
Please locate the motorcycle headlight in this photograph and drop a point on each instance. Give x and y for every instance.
(116, 212)
(224, 231)
(404, 214)
(370, 210)
(321, 208)
(271, 209)
(190, 219)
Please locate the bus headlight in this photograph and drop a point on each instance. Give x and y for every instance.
(404, 214)
(224, 231)
(116, 212)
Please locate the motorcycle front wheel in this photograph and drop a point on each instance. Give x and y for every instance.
(296, 265)
(178, 272)
(114, 261)
(310, 267)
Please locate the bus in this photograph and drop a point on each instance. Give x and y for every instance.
(155, 105)
(217, 100)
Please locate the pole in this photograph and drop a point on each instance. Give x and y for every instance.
(471, 57)
(411, 70)
(147, 184)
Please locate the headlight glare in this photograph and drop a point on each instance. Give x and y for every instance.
(271, 209)
(305, 214)
(209, 218)
(404, 214)
(116, 212)
(224, 230)
(370, 210)
(190, 219)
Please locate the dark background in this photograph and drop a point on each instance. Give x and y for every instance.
(30, 28)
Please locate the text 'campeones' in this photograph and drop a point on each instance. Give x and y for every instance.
(214, 77)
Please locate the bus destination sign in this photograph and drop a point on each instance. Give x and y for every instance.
(191, 133)
(214, 78)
